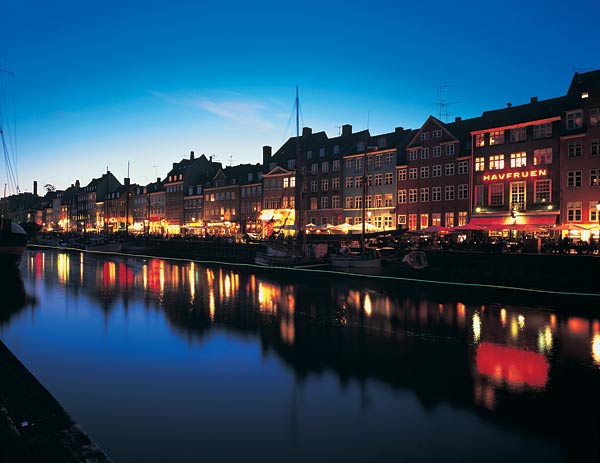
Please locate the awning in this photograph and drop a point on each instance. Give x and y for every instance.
(521, 222)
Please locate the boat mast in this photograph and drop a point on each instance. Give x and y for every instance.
(364, 198)
(302, 183)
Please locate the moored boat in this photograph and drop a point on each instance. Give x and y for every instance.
(13, 242)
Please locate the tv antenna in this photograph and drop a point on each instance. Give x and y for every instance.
(443, 104)
(156, 171)
(231, 160)
(339, 128)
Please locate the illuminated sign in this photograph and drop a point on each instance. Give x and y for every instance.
(515, 175)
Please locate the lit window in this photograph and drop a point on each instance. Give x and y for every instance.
(543, 191)
(542, 156)
(594, 177)
(497, 137)
(479, 164)
(480, 140)
(496, 162)
(518, 159)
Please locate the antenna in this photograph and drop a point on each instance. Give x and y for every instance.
(155, 171)
(339, 127)
(231, 160)
(443, 104)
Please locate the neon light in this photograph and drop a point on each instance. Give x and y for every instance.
(515, 175)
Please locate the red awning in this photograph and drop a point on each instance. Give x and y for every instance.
(519, 223)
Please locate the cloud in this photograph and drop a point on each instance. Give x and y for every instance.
(238, 110)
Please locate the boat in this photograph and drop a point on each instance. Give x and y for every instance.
(13, 242)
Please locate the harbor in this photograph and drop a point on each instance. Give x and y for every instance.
(173, 360)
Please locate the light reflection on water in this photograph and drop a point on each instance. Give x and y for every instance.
(168, 361)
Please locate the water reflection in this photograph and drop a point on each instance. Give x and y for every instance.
(519, 367)
(14, 296)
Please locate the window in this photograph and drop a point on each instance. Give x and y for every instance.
(462, 218)
(595, 147)
(325, 167)
(402, 219)
(424, 195)
(335, 165)
(449, 150)
(313, 186)
(449, 193)
(378, 161)
(542, 130)
(388, 200)
(324, 202)
(518, 134)
(425, 153)
(291, 163)
(574, 149)
(542, 156)
(412, 221)
(436, 193)
(335, 184)
(479, 195)
(424, 136)
(436, 219)
(449, 169)
(389, 178)
(321, 152)
(497, 137)
(324, 185)
(480, 140)
(574, 179)
(574, 211)
(369, 180)
(518, 159)
(377, 201)
(425, 172)
(309, 154)
(517, 195)
(496, 192)
(424, 220)
(314, 169)
(412, 173)
(401, 175)
(437, 151)
(381, 142)
(349, 182)
(594, 177)
(412, 155)
(574, 119)
(378, 179)
(349, 163)
(449, 216)
(436, 134)
(463, 191)
(336, 149)
(497, 162)
(335, 202)
(360, 146)
(401, 196)
(595, 116)
(463, 167)
(593, 212)
(387, 221)
(479, 164)
(348, 202)
(313, 206)
(358, 182)
(358, 165)
(412, 195)
(436, 171)
(543, 191)
(389, 158)
(358, 202)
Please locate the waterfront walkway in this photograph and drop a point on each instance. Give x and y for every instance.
(33, 425)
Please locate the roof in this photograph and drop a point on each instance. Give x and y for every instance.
(585, 82)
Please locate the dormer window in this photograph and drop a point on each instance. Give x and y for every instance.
(381, 142)
(424, 136)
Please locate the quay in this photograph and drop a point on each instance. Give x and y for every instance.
(33, 425)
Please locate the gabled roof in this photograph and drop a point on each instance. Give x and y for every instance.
(241, 173)
(307, 141)
(585, 82)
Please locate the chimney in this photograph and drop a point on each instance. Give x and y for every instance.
(157, 179)
(267, 152)
(174, 165)
(35, 188)
(508, 105)
(126, 181)
(457, 119)
(399, 129)
(210, 158)
(191, 155)
(77, 184)
(306, 131)
(346, 129)
(534, 99)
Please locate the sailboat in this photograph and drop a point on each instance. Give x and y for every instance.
(13, 237)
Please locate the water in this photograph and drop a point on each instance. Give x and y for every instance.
(175, 361)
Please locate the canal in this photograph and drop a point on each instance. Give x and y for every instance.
(174, 361)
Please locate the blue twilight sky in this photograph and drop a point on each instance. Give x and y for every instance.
(101, 83)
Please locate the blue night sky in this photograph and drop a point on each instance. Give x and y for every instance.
(101, 83)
